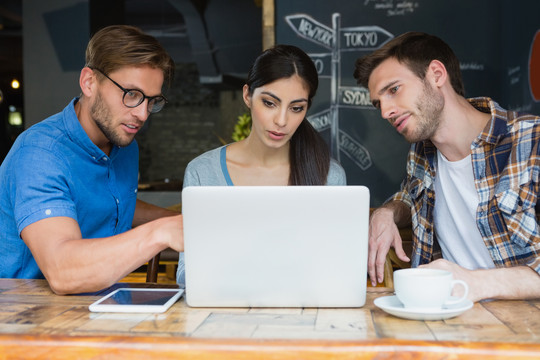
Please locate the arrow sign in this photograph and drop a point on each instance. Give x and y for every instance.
(321, 120)
(354, 97)
(355, 151)
(337, 39)
(308, 28)
(323, 63)
(363, 38)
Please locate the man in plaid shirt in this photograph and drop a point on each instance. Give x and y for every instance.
(473, 173)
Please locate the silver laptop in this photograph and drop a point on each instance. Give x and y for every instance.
(276, 246)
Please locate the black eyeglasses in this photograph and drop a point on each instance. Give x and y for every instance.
(133, 97)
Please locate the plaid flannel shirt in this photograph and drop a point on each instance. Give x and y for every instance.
(506, 167)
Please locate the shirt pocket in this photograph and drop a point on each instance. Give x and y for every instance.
(517, 206)
(126, 208)
(415, 189)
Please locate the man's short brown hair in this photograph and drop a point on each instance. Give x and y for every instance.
(116, 46)
(416, 50)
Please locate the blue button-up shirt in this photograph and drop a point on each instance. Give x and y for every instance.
(54, 169)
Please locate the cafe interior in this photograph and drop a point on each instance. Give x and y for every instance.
(213, 44)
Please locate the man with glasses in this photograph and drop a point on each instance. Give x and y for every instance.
(68, 187)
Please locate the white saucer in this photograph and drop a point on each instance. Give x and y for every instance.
(393, 306)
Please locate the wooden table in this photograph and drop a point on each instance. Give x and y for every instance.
(35, 323)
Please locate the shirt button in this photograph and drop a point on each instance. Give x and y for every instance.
(117, 201)
(104, 158)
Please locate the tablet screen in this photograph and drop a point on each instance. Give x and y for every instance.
(137, 300)
(126, 296)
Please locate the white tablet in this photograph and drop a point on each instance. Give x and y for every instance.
(135, 300)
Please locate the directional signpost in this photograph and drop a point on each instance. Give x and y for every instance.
(337, 39)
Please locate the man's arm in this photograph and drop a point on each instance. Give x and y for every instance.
(520, 282)
(74, 265)
(383, 234)
(145, 212)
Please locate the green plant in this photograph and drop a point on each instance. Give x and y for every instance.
(242, 127)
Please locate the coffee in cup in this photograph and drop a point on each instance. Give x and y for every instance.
(426, 289)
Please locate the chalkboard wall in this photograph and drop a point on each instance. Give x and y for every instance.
(497, 42)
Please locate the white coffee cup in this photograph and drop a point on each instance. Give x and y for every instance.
(426, 289)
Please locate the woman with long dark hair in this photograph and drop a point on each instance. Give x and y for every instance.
(282, 147)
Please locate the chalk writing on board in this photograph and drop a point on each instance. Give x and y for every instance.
(471, 66)
(321, 121)
(362, 38)
(338, 39)
(355, 151)
(394, 7)
(514, 74)
(311, 29)
(323, 63)
(352, 96)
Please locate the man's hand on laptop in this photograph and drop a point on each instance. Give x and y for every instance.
(171, 230)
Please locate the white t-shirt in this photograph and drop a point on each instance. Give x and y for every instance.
(456, 200)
